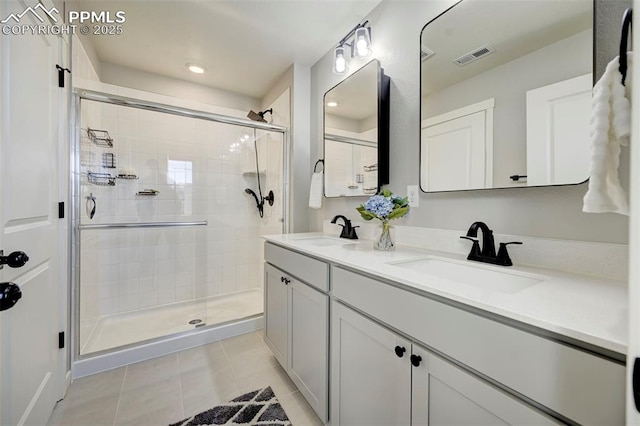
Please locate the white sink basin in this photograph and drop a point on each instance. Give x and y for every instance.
(479, 275)
(322, 241)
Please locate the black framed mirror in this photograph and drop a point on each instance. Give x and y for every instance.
(506, 95)
(356, 133)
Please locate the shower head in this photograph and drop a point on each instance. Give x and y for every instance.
(255, 196)
(259, 116)
(259, 203)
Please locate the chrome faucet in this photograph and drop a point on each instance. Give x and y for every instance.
(348, 231)
(488, 252)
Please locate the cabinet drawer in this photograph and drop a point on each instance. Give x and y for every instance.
(311, 271)
(583, 387)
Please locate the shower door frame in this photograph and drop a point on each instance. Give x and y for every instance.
(75, 190)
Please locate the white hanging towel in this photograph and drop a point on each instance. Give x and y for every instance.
(315, 192)
(370, 179)
(610, 129)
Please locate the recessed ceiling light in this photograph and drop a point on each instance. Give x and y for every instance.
(332, 104)
(196, 68)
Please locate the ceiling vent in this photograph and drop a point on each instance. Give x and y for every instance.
(474, 55)
(426, 53)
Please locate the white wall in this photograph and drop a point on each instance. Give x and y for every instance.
(154, 83)
(553, 212)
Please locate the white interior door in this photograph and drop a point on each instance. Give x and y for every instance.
(29, 368)
(633, 413)
(558, 132)
(454, 153)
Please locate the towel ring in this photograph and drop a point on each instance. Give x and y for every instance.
(624, 38)
(315, 166)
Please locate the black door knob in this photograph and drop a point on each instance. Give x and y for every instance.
(9, 295)
(16, 259)
(400, 351)
(415, 360)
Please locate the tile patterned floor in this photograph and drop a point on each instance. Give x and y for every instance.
(167, 389)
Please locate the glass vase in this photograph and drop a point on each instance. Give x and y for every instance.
(384, 243)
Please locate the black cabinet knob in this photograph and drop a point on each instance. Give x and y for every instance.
(400, 350)
(284, 280)
(415, 360)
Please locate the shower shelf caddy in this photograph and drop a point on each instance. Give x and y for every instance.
(100, 138)
(101, 179)
(108, 160)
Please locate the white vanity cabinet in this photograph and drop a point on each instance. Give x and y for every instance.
(574, 384)
(370, 384)
(381, 377)
(276, 319)
(474, 367)
(296, 321)
(444, 394)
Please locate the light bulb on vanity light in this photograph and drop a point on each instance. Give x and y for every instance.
(363, 42)
(339, 61)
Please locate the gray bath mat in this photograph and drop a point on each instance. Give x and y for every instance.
(256, 408)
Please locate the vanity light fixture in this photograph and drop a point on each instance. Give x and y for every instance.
(196, 68)
(363, 42)
(360, 46)
(339, 61)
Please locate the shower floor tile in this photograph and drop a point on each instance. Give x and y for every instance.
(164, 390)
(131, 327)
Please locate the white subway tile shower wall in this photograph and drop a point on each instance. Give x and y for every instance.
(200, 169)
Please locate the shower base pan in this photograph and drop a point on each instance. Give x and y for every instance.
(122, 339)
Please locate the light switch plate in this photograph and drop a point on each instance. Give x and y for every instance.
(413, 192)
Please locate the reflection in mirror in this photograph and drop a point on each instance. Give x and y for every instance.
(506, 95)
(356, 134)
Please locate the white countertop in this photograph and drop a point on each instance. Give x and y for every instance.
(590, 309)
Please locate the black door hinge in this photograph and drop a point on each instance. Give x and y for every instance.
(61, 340)
(61, 210)
(61, 74)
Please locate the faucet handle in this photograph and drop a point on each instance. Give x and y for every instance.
(352, 233)
(503, 256)
(475, 248)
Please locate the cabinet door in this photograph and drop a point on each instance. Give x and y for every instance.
(309, 344)
(276, 312)
(444, 394)
(370, 384)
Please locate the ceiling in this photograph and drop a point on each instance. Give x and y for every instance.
(246, 45)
